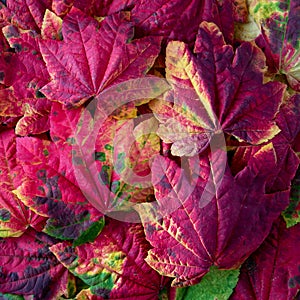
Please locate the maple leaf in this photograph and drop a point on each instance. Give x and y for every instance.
(216, 91)
(195, 226)
(108, 58)
(25, 80)
(167, 18)
(51, 190)
(273, 271)
(15, 218)
(287, 163)
(280, 36)
(113, 266)
(26, 14)
(104, 162)
(28, 267)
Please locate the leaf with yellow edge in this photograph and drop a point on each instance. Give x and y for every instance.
(113, 266)
(216, 91)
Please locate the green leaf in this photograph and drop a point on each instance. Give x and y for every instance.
(292, 214)
(90, 234)
(215, 285)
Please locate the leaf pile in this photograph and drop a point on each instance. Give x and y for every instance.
(149, 150)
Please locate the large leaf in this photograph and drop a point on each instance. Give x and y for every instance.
(29, 268)
(273, 271)
(216, 91)
(217, 220)
(111, 148)
(107, 58)
(51, 190)
(14, 215)
(287, 163)
(279, 20)
(113, 266)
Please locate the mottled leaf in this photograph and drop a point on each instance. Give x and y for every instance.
(14, 215)
(273, 271)
(113, 265)
(218, 220)
(292, 213)
(109, 57)
(35, 119)
(27, 71)
(216, 91)
(51, 190)
(27, 14)
(287, 161)
(279, 20)
(29, 268)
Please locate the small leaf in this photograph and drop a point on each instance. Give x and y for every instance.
(216, 284)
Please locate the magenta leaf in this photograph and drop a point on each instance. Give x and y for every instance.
(196, 226)
(280, 37)
(51, 190)
(273, 271)
(113, 266)
(28, 267)
(107, 58)
(216, 91)
(15, 218)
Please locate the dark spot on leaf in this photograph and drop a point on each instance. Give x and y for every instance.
(18, 47)
(68, 256)
(283, 6)
(250, 265)
(150, 228)
(14, 276)
(104, 176)
(297, 278)
(292, 283)
(4, 215)
(100, 156)
(1, 76)
(104, 293)
(171, 252)
(39, 94)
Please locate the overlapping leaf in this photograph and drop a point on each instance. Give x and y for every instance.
(107, 56)
(273, 271)
(113, 266)
(279, 20)
(215, 91)
(25, 80)
(167, 18)
(218, 221)
(15, 217)
(112, 165)
(28, 268)
(51, 190)
(26, 14)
